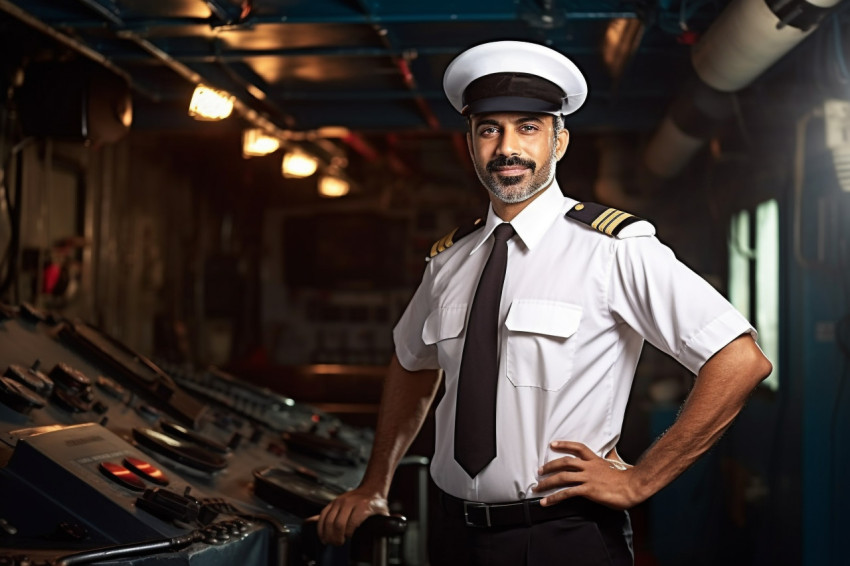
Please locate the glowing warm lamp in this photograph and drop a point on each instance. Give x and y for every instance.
(298, 164)
(210, 104)
(333, 186)
(255, 143)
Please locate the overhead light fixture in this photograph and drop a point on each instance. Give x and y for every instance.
(210, 104)
(321, 133)
(333, 132)
(298, 164)
(256, 143)
(333, 186)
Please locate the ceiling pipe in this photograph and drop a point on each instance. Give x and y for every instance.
(84, 50)
(251, 115)
(248, 113)
(368, 7)
(745, 40)
(750, 36)
(254, 19)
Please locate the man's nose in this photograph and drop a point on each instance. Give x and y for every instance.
(509, 143)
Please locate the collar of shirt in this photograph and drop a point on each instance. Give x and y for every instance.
(534, 220)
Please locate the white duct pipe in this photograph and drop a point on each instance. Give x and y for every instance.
(670, 149)
(744, 41)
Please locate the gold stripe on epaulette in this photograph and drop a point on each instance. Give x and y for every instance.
(612, 226)
(612, 219)
(602, 218)
(443, 243)
(446, 242)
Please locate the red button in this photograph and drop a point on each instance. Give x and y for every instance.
(121, 475)
(146, 470)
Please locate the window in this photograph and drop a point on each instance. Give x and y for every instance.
(754, 275)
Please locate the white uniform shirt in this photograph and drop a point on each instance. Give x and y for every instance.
(576, 307)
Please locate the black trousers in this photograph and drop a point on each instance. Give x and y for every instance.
(600, 538)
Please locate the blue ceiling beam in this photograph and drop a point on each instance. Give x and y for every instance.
(76, 45)
(205, 56)
(106, 10)
(221, 11)
(388, 40)
(335, 96)
(383, 19)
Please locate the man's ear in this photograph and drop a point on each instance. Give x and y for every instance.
(470, 146)
(562, 142)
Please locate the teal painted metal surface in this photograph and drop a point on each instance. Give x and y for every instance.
(817, 307)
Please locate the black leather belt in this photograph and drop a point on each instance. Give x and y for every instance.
(526, 512)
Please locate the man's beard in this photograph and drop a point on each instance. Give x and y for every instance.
(510, 190)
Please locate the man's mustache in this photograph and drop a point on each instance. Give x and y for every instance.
(503, 161)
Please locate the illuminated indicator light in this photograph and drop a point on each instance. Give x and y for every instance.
(315, 418)
(146, 470)
(121, 475)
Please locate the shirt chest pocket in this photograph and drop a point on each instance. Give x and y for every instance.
(541, 343)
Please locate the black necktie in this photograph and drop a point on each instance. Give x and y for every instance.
(475, 413)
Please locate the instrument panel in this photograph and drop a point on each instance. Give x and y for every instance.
(106, 456)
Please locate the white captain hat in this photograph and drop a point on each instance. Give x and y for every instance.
(514, 76)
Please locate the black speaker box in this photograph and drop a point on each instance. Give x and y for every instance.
(74, 100)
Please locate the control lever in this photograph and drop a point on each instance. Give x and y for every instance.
(373, 533)
(170, 506)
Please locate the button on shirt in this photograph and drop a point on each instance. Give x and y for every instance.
(576, 307)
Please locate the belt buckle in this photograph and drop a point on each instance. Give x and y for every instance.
(467, 505)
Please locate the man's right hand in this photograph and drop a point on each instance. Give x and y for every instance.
(343, 515)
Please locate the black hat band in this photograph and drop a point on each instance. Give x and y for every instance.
(507, 92)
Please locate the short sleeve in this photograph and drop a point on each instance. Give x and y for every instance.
(672, 307)
(412, 352)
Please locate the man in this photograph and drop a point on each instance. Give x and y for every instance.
(526, 457)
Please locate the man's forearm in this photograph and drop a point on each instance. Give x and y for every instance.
(405, 401)
(721, 389)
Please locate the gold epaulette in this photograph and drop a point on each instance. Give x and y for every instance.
(452, 237)
(609, 220)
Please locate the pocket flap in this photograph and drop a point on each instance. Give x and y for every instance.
(551, 318)
(443, 323)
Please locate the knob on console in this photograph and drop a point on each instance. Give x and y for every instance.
(111, 388)
(32, 313)
(181, 432)
(332, 450)
(181, 451)
(19, 398)
(30, 377)
(73, 391)
(297, 491)
(69, 378)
